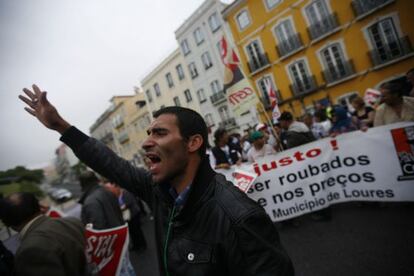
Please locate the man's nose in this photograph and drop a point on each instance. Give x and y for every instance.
(148, 143)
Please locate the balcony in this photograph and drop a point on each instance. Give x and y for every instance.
(322, 27)
(290, 45)
(361, 7)
(337, 73)
(260, 61)
(218, 98)
(123, 137)
(301, 88)
(107, 138)
(228, 124)
(391, 51)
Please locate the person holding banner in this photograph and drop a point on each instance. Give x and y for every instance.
(395, 107)
(49, 246)
(204, 224)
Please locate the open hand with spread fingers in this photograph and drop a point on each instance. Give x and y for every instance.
(43, 110)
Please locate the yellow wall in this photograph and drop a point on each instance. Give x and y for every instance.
(350, 31)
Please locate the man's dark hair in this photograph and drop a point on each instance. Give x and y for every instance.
(286, 116)
(218, 134)
(394, 88)
(18, 208)
(189, 123)
(88, 178)
(321, 115)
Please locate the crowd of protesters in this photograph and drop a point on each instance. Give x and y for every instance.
(396, 104)
(56, 246)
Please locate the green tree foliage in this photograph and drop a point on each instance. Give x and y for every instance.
(20, 174)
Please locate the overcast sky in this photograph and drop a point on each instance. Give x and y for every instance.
(82, 52)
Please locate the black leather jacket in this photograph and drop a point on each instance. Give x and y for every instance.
(219, 230)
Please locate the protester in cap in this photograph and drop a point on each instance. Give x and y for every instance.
(395, 107)
(49, 246)
(259, 148)
(225, 154)
(268, 136)
(204, 225)
(99, 206)
(296, 133)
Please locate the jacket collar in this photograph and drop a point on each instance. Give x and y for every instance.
(87, 192)
(31, 225)
(197, 190)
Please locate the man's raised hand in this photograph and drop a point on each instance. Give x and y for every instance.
(43, 110)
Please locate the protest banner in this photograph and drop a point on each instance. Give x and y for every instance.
(376, 165)
(107, 249)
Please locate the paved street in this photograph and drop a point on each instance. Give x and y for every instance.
(359, 240)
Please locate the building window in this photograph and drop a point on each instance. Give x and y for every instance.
(336, 67)
(386, 43)
(345, 99)
(170, 81)
(215, 87)
(361, 7)
(177, 101)
(288, 40)
(157, 90)
(243, 20)
(201, 96)
(188, 97)
(320, 20)
(270, 4)
(184, 47)
(193, 70)
(209, 120)
(224, 113)
(206, 59)
(302, 81)
(198, 36)
(149, 96)
(180, 71)
(257, 59)
(214, 22)
(262, 85)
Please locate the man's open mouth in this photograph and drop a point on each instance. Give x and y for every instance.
(153, 158)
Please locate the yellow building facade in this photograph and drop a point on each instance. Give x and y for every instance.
(321, 50)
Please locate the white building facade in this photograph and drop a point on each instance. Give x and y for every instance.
(199, 39)
(169, 84)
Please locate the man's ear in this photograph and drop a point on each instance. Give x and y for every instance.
(194, 143)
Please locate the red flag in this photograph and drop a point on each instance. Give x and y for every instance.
(273, 99)
(106, 249)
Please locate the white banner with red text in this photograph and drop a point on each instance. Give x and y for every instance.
(376, 165)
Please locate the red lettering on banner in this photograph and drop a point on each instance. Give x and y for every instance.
(286, 161)
(238, 96)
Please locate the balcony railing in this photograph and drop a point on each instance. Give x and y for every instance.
(107, 138)
(218, 97)
(228, 124)
(123, 137)
(257, 63)
(301, 88)
(339, 72)
(324, 26)
(288, 46)
(390, 51)
(361, 7)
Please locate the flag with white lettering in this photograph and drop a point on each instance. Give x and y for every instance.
(106, 249)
